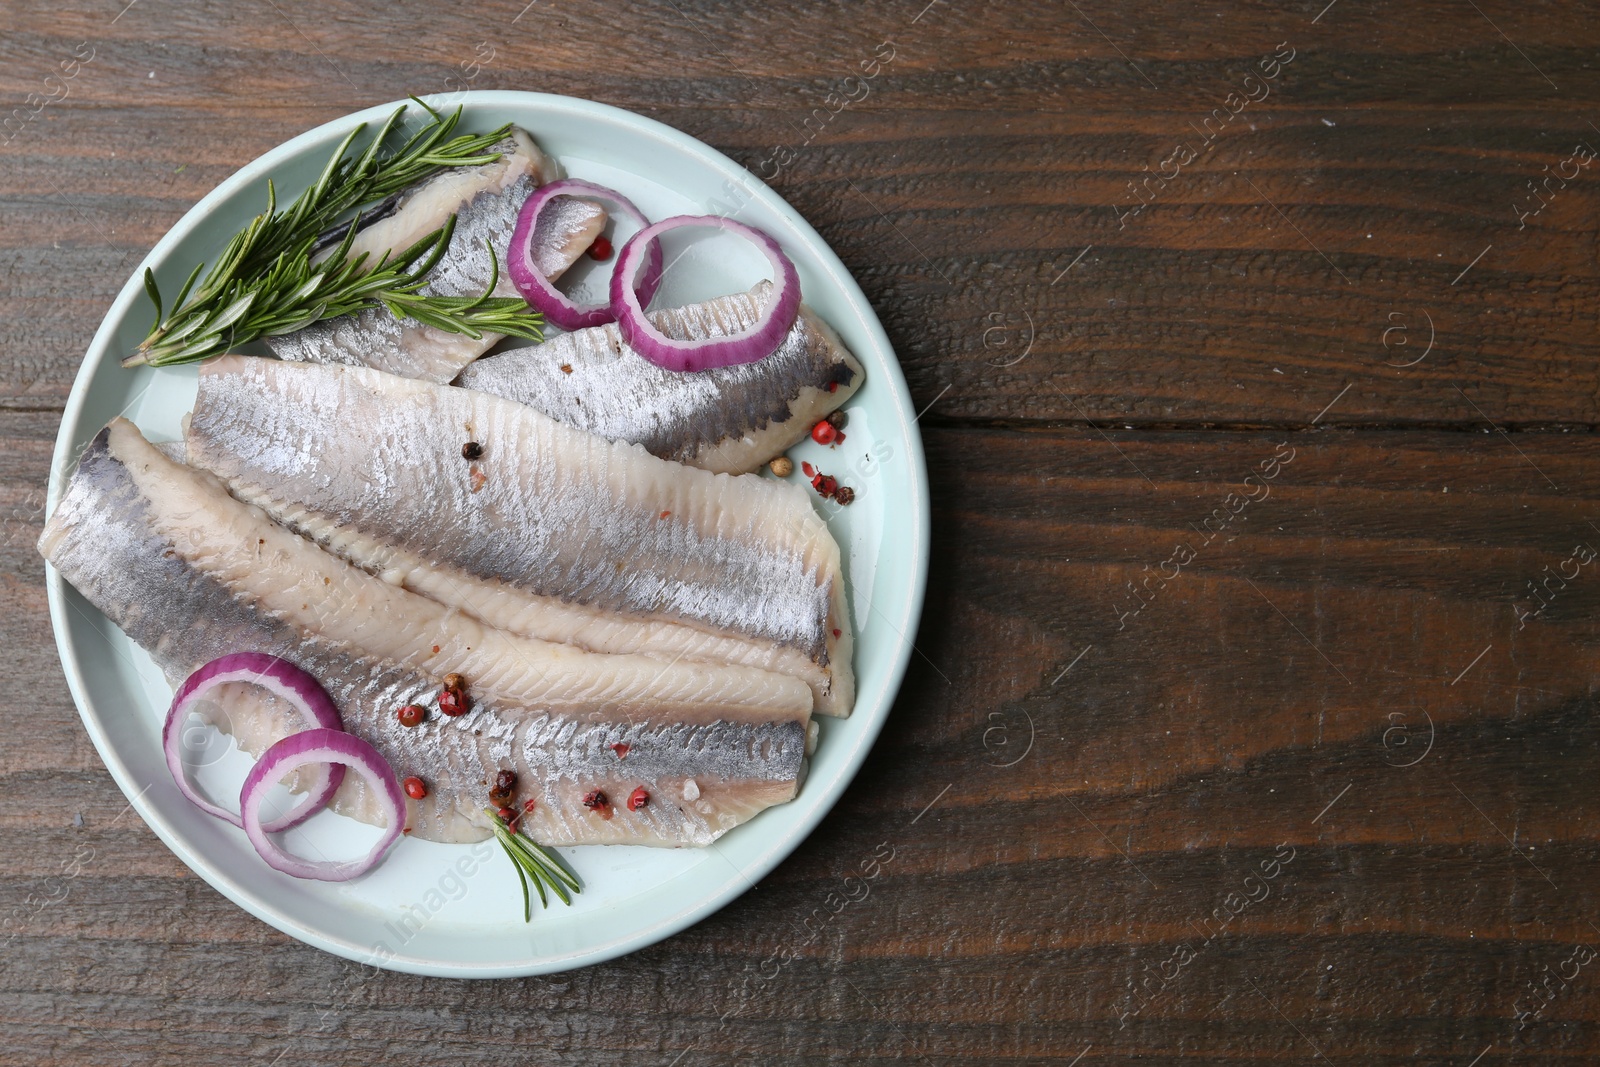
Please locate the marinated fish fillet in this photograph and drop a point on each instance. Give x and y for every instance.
(732, 419)
(190, 573)
(485, 201)
(552, 532)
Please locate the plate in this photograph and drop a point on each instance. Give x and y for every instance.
(455, 910)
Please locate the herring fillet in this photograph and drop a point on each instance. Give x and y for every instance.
(486, 201)
(552, 533)
(731, 419)
(300, 583)
(190, 574)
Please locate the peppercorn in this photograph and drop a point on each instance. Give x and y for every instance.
(505, 785)
(507, 815)
(844, 494)
(528, 806)
(783, 466)
(416, 788)
(453, 702)
(836, 419)
(472, 450)
(638, 799)
(596, 799)
(600, 250)
(454, 681)
(824, 432)
(412, 715)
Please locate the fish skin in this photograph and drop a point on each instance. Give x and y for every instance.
(498, 604)
(731, 419)
(486, 201)
(424, 207)
(153, 545)
(561, 535)
(295, 581)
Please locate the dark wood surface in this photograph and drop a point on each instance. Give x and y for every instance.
(1330, 704)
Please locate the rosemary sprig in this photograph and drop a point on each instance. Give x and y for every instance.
(265, 282)
(533, 861)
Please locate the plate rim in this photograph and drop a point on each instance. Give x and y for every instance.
(69, 436)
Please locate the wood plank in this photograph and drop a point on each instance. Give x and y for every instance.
(1263, 705)
(1330, 222)
(1124, 701)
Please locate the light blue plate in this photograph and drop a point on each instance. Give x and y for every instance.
(455, 910)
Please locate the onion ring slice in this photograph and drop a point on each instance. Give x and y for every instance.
(321, 746)
(283, 680)
(538, 290)
(759, 341)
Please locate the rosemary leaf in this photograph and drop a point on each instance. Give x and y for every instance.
(533, 862)
(265, 282)
(527, 903)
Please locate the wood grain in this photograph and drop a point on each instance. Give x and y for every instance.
(1142, 683)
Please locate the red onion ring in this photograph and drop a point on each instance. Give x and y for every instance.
(318, 747)
(283, 680)
(538, 290)
(746, 346)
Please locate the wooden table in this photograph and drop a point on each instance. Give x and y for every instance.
(1252, 715)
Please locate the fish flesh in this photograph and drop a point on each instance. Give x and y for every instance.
(317, 591)
(551, 532)
(731, 419)
(190, 573)
(485, 201)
